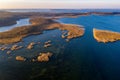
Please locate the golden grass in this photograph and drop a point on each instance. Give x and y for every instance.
(73, 30)
(37, 27)
(105, 35)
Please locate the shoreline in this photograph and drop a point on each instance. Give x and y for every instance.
(38, 25)
(12, 17)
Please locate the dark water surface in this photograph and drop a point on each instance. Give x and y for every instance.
(80, 59)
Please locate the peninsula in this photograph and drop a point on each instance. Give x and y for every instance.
(38, 25)
(105, 35)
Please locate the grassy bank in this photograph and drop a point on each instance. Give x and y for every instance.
(38, 25)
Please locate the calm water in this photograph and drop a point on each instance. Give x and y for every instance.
(80, 59)
(19, 23)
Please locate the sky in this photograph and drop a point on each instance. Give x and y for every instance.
(59, 4)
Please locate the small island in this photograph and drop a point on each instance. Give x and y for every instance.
(38, 25)
(105, 35)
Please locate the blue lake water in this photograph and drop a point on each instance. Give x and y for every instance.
(98, 58)
(19, 23)
(80, 59)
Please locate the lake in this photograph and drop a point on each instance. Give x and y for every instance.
(19, 23)
(80, 59)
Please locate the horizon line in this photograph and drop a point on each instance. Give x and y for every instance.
(59, 8)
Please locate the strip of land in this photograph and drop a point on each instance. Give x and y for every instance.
(105, 35)
(10, 18)
(38, 25)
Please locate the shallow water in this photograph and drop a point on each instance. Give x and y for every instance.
(80, 59)
(19, 23)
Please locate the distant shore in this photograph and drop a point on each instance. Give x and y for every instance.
(10, 18)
